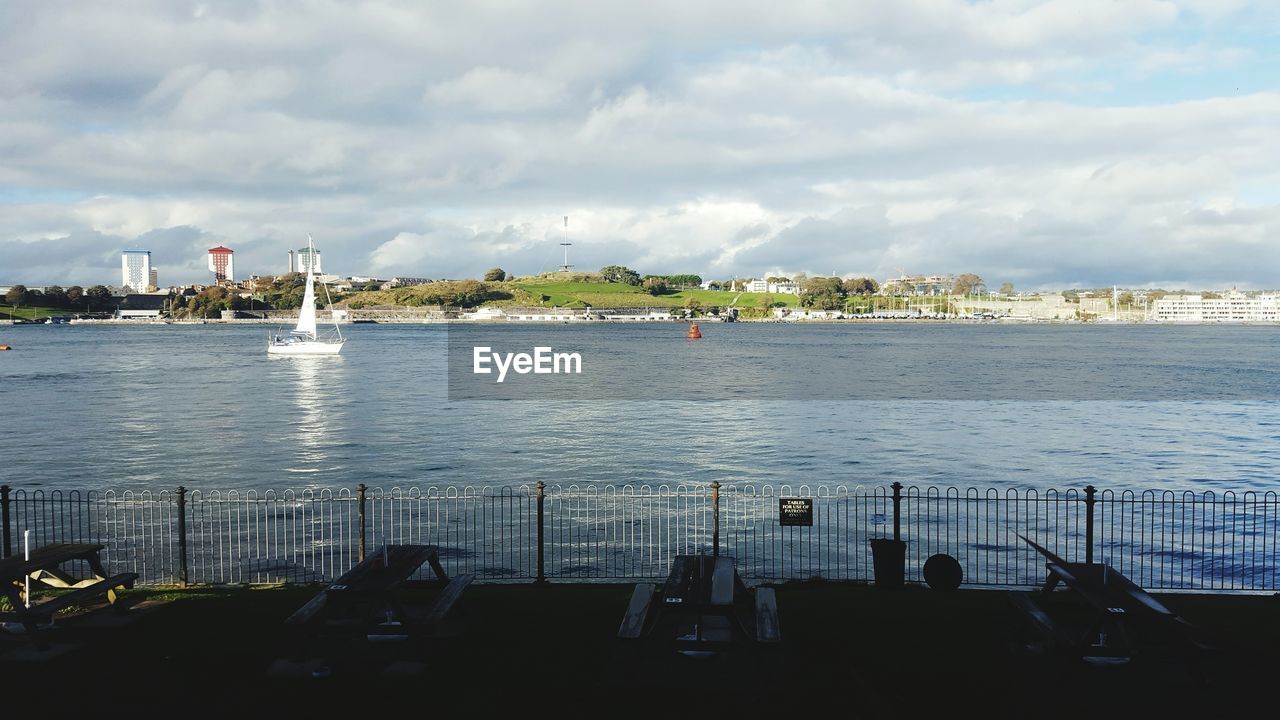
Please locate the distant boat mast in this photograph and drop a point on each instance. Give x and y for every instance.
(566, 267)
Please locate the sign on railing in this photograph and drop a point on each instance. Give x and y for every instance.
(795, 512)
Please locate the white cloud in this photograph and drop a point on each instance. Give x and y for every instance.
(720, 137)
(498, 90)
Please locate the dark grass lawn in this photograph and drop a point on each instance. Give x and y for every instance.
(849, 651)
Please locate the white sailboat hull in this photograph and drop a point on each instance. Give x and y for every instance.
(305, 347)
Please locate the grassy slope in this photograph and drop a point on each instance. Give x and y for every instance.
(411, 295)
(575, 294)
(32, 312)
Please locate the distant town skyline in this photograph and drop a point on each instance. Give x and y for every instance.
(1056, 144)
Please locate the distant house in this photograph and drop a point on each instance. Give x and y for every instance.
(403, 282)
(783, 287)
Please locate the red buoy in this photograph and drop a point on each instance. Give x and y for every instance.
(694, 332)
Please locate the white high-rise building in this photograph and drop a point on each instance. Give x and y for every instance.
(135, 270)
(306, 257)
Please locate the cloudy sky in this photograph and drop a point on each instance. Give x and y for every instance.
(1060, 143)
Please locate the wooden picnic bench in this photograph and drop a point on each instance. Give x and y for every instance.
(1115, 602)
(45, 568)
(704, 602)
(366, 597)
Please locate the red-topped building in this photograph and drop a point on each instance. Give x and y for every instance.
(221, 263)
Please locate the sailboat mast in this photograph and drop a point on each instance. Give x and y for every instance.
(328, 299)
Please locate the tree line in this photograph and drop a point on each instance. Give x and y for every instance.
(94, 299)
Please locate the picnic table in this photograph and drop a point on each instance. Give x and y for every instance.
(703, 604)
(366, 597)
(46, 567)
(1116, 605)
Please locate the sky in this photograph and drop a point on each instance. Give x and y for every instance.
(1066, 143)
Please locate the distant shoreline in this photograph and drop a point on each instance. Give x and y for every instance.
(277, 322)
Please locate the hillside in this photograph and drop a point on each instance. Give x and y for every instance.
(556, 290)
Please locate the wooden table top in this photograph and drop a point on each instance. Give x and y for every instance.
(700, 580)
(45, 557)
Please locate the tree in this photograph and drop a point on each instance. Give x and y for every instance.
(823, 293)
(210, 302)
(861, 286)
(685, 280)
(619, 273)
(55, 296)
(693, 304)
(655, 285)
(966, 284)
(75, 294)
(1006, 288)
(17, 295)
(495, 275)
(99, 297)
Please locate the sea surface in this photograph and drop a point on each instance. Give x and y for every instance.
(1119, 407)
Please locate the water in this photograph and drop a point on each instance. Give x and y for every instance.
(205, 407)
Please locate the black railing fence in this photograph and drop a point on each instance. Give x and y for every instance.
(1162, 540)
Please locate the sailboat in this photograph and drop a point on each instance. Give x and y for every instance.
(303, 340)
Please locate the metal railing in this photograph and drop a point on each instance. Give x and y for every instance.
(1161, 540)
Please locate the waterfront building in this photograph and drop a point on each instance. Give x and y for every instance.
(1235, 306)
(919, 285)
(222, 263)
(780, 287)
(1100, 306)
(807, 314)
(136, 306)
(135, 270)
(154, 280)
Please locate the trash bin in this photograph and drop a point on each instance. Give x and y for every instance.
(889, 559)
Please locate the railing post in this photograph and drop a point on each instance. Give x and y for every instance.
(897, 510)
(361, 489)
(183, 576)
(542, 497)
(715, 515)
(1089, 501)
(4, 520)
